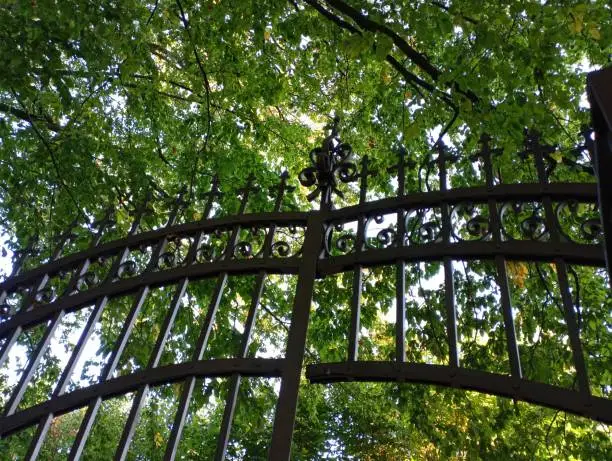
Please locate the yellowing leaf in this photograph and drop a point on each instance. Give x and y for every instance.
(594, 32)
(407, 95)
(267, 35)
(557, 156)
(518, 271)
(577, 22)
(158, 439)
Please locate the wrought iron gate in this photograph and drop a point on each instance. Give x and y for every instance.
(439, 219)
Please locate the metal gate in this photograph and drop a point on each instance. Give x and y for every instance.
(438, 219)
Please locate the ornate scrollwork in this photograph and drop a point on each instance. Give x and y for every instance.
(280, 249)
(430, 164)
(579, 222)
(470, 223)
(338, 240)
(345, 243)
(127, 269)
(288, 241)
(87, 281)
(5, 311)
(175, 252)
(46, 295)
(243, 250)
(524, 220)
(213, 246)
(206, 253)
(251, 244)
(167, 259)
(330, 162)
(423, 226)
(384, 238)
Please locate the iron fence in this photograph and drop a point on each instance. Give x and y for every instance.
(448, 207)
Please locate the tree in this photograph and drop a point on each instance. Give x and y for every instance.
(102, 102)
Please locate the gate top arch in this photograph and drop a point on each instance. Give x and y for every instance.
(437, 219)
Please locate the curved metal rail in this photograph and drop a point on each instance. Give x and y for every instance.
(496, 222)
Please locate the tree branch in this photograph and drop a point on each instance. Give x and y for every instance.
(410, 53)
(206, 88)
(51, 154)
(27, 117)
(409, 76)
(416, 57)
(161, 154)
(447, 9)
(367, 24)
(332, 17)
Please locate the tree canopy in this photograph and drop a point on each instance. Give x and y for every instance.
(101, 102)
(97, 97)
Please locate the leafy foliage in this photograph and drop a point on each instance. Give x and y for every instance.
(101, 102)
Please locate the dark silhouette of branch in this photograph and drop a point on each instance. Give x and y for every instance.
(27, 117)
(153, 11)
(447, 9)
(417, 58)
(206, 88)
(161, 154)
(367, 24)
(332, 17)
(51, 154)
(410, 77)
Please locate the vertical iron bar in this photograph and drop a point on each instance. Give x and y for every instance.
(34, 360)
(353, 345)
(451, 313)
(121, 342)
(189, 384)
(41, 347)
(511, 343)
(156, 355)
(400, 267)
(30, 298)
(500, 263)
(142, 392)
(572, 326)
(284, 419)
(18, 266)
(44, 425)
(539, 151)
(202, 342)
(600, 99)
(232, 396)
(449, 286)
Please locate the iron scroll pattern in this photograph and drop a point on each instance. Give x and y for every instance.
(539, 220)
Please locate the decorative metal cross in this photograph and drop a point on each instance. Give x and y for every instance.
(331, 162)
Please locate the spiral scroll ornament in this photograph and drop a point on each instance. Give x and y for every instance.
(213, 245)
(340, 239)
(87, 281)
(251, 244)
(331, 163)
(524, 221)
(288, 241)
(470, 222)
(424, 226)
(579, 222)
(384, 238)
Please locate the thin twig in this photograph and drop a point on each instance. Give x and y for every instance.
(51, 154)
(152, 12)
(206, 88)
